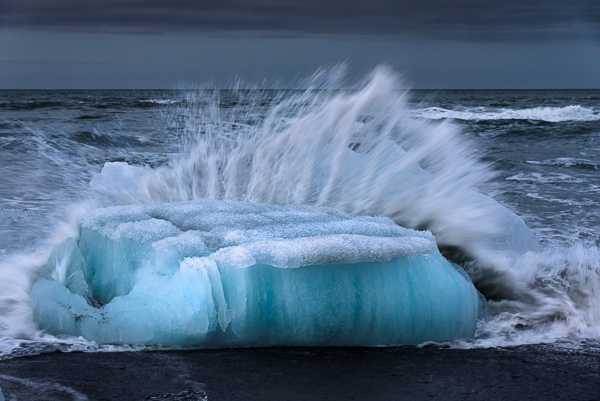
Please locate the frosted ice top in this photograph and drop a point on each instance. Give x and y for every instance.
(220, 273)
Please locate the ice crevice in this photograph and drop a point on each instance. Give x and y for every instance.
(223, 273)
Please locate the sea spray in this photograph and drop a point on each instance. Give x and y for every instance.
(356, 151)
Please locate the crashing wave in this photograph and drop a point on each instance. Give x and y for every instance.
(361, 152)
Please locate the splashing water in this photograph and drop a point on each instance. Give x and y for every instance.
(360, 151)
(562, 303)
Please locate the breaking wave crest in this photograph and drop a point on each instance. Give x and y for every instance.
(549, 114)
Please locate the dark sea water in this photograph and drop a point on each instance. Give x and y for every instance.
(537, 152)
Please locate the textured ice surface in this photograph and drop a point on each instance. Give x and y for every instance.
(246, 274)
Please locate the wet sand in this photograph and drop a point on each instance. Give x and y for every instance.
(403, 373)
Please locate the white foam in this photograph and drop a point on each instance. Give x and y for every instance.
(561, 301)
(568, 162)
(535, 178)
(160, 101)
(549, 114)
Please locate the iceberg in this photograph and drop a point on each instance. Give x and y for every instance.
(224, 273)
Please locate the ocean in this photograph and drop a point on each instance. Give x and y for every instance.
(536, 152)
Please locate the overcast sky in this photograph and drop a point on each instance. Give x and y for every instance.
(164, 44)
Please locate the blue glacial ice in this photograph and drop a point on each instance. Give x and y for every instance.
(220, 273)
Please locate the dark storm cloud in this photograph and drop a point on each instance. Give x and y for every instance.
(418, 19)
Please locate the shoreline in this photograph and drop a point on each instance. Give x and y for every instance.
(307, 373)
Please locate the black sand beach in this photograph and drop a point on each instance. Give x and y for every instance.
(403, 373)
